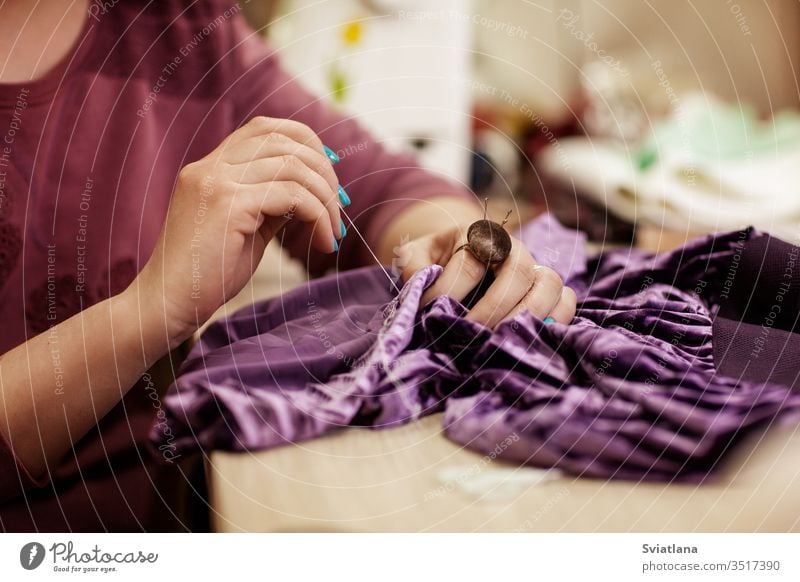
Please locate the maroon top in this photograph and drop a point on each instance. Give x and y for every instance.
(88, 159)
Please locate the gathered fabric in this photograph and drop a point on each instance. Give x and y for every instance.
(630, 389)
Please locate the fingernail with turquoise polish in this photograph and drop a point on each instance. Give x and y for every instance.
(549, 320)
(335, 246)
(342, 229)
(331, 155)
(343, 197)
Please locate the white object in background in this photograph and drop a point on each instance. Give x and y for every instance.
(613, 108)
(403, 73)
(669, 196)
(501, 483)
(709, 167)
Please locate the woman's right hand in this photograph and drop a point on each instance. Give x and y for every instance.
(226, 208)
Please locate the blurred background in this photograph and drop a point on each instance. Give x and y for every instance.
(646, 122)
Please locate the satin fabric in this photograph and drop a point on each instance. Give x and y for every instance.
(628, 390)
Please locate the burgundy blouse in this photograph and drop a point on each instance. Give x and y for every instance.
(88, 159)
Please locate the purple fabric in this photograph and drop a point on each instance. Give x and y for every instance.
(628, 390)
(756, 330)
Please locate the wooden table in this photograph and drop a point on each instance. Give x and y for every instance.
(413, 479)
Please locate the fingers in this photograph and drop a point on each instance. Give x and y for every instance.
(548, 298)
(461, 274)
(427, 250)
(519, 284)
(291, 168)
(412, 257)
(299, 132)
(288, 201)
(522, 285)
(265, 137)
(277, 144)
(513, 281)
(564, 311)
(545, 293)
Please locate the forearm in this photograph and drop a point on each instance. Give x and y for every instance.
(426, 217)
(57, 386)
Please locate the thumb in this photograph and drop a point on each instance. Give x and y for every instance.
(411, 257)
(462, 273)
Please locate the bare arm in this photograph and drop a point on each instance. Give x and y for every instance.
(57, 386)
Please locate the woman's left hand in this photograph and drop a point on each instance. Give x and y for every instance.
(519, 283)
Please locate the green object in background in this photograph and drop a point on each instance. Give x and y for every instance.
(352, 34)
(338, 84)
(646, 158)
(706, 129)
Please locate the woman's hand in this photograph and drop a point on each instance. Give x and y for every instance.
(225, 209)
(520, 284)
